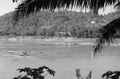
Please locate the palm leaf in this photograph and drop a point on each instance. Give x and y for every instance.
(15, 0)
(108, 33)
(117, 5)
(27, 7)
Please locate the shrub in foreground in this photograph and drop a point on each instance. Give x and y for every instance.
(111, 75)
(35, 73)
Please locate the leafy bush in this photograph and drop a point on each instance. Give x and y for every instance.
(79, 76)
(34, 73)
(111, 75)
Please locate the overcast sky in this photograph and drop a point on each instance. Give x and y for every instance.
(7, 6)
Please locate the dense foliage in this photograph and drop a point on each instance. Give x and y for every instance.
(60, 24)
(34, 73)
(111, 75)
(79, 76)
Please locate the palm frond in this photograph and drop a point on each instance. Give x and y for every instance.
(108, 33)
(117, 5)
(15, 0)
(27, 7)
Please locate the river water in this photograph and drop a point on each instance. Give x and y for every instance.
(70, 56)
(81, 50)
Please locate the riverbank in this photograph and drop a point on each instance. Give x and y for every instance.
(55, 40)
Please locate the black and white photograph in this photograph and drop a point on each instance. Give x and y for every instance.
(59, 39)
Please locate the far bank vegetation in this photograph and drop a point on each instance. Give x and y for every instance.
(55, 24)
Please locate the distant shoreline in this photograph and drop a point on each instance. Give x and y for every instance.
(55, 40)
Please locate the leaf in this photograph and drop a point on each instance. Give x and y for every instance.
(34, 73)
(108, 33)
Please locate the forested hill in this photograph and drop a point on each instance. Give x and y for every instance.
(62, 24)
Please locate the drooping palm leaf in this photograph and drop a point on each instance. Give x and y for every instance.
(117, 4)
(108, 33)
(29, 6)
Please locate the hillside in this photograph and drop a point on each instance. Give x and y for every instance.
(61, 24)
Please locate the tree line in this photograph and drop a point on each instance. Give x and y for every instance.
(50, 24)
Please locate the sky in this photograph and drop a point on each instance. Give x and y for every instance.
(7, 6)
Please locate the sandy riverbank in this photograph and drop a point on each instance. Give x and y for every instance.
(55, 40)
